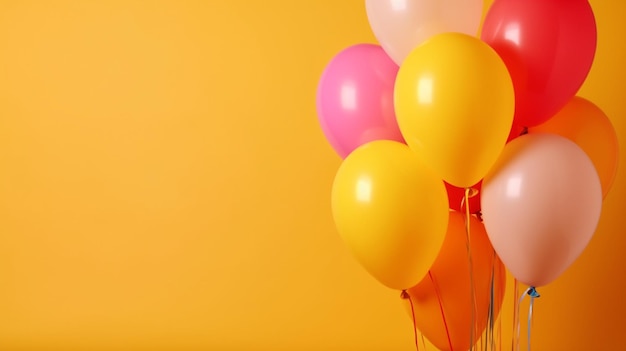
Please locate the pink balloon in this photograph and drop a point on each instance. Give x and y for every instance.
(355, 98)
(541, 204)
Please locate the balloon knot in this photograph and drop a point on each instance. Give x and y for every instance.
(524, 131)
(479, 215)
(533, 292)
(404, 295)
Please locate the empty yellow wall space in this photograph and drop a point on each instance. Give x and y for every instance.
(165, 184)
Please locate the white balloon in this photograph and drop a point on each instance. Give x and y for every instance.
(401, 25)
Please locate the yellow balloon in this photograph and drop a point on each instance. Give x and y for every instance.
(454, 103)
(391, 210)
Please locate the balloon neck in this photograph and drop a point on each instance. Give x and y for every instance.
(404, 295)
(532, 292)
(524, 131)
(479, 215)
(472, 192)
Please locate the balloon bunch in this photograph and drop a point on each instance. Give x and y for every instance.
(466, 152)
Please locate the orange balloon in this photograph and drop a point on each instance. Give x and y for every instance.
(447, 288)
(584, 123)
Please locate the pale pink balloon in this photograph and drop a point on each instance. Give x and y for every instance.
(541, 204)
(355, 98)
(401, 25)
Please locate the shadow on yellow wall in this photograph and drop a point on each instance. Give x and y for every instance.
(164, 184)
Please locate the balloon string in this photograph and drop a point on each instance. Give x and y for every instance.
(532, 292)
(443, 315)
(500, 298)
(533, 295)
(514, 342)
(488, 333)
(491, 321)
(499, 332)
(405, 295)
(471, 269)
(489, 339)
(517, 331)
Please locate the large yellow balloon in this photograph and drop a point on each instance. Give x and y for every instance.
(454, 103)
(391, 210)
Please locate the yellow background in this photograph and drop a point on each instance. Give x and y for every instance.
(164, 184)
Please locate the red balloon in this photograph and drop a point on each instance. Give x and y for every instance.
(548, 47)
(515, 132)
(456, 196)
